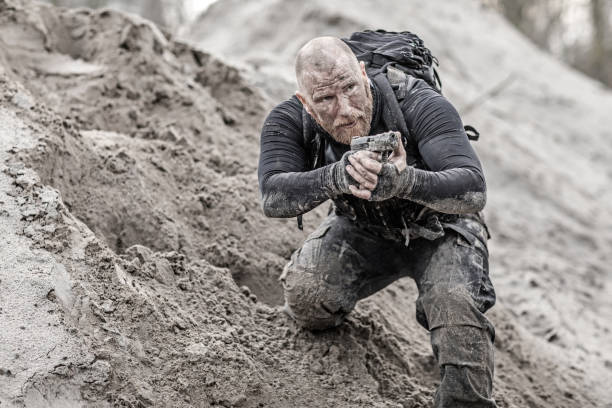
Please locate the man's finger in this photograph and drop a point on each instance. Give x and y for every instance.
(365, 156)
(358, 165)
(369, 155)
(398, 157)
(372, 165)
(367, 174)
(361, 193)
(369, 184)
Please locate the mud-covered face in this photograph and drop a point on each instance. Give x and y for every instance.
(340, 101)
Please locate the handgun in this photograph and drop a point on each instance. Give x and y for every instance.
(383, 143)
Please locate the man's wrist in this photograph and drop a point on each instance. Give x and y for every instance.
(407, 180)
(336, 180)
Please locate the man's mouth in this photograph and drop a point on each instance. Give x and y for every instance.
(348, 125)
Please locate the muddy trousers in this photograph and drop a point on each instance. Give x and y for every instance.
(343, 262)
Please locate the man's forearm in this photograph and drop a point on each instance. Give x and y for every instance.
(453, 191)
(290, 194)
(287, 195)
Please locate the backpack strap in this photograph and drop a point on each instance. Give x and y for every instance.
(471, 132)
(393, 115)
(312, 146)
(307, 130)
(312, 141)
(308, 134)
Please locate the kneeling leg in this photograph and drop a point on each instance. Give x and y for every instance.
(330, 273)
(454, 293)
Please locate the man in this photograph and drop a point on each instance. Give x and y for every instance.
(415, 215)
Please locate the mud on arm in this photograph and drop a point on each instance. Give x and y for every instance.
(454, 182)
(286, 185)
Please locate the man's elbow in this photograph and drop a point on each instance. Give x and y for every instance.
(267, 205)
(477, 201)
(274, 205)
(267, 199)
(269, 210)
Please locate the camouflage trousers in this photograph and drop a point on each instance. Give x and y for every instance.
(342, 262)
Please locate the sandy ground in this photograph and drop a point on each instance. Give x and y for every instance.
(138, 270)
(545, 145)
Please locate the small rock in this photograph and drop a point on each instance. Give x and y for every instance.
(185, 285)
(28, 211)
(245, 290)
(51, 296)
(132, 95)
(169, 134)
(48, 196)
(210, 381)
(238, 400)
(29, 231)
(107, 306)
(179, 323)
(22, 100)
(141, 252)
(50, 228)
(144, 392)
(61, 370)
(15, 169)
(120, 163)
(6, 372)
(163, 271)
(98, 373)
(27, 181)
(316, 367)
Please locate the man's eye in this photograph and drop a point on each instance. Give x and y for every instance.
(350, 87)
(327, 98)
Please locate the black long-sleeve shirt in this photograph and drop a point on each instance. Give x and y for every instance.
(450, 180)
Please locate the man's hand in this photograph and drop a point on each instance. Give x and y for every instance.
(393, 177)
(398, 157)
(378, 181)
(364, 168)
(341, 180)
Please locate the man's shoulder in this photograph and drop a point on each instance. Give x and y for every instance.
(288, 110)
(284, 120)
(412, 94)
(417, 90)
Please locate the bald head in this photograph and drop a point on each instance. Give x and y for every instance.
(322, 54)
(334, 88)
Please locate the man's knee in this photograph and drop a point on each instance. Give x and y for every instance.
(313, 303)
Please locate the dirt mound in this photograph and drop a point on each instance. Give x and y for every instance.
(544, 147)
(160, 138)
(144, 266)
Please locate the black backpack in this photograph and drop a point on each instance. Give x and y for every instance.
(391, 59)
(394, 61)
(405, 51)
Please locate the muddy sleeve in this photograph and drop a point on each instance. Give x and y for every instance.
(454, 182)
(287, 187)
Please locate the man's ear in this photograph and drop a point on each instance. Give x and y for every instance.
(302, 99)
(363, 70)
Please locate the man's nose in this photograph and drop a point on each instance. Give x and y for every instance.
(344, 107)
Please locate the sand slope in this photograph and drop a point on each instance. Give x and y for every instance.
(545, 145)
(138, 270)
